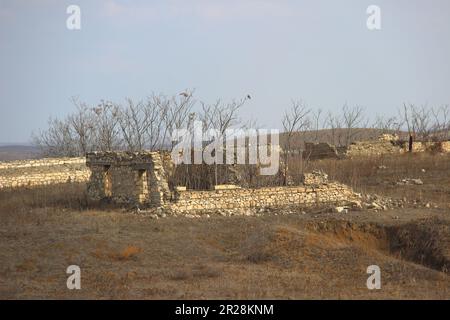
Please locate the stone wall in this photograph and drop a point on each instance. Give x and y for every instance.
(373, 148)
(128, 177)
(445, 146)
(315, 191)
(31, 173)
(140, 179)
(314, 178)
(430, 146)
(385, 144)
(303, 196)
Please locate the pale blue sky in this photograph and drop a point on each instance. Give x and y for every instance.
(275, 50)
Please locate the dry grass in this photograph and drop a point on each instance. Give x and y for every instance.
(291, 256)
(194, 272)
(130, 252)
(65, 196)
(240, 257)
(122, 255)
(379, 175)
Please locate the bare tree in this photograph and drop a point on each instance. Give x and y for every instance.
(83, 126)
(422, 122)
(295, 121)
(134, 122)
(353, 121)
(175, 114)
(418, 121)
(441, 126)
(221, 117)
(57, 140)
(387, 124)
(316, 116)
(107, 135)
(334, 123)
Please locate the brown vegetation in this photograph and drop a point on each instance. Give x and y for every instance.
(380, 175)
(311, 255)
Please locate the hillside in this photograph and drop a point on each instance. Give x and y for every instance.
(17, 152)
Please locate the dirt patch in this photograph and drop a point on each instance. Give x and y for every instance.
(283, 256)
(425, 242)
(422, 242)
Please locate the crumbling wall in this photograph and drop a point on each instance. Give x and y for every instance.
(315, 191)
(386, 144)
(306, 196)
(128, 177)
(390, 144)
(139, 178)
(32, 173)
(429, 146)
(314, 178)
(445, 146)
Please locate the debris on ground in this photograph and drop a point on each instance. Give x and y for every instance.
(409, 181)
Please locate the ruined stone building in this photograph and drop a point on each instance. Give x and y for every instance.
(141, 178)
(128, 177)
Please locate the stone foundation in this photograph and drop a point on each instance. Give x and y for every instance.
(303, 196)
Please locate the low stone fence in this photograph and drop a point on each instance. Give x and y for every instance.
(304, 196)
(389, 144)
(418, 146)
(373, 148)
(139, 178)
(30, 173)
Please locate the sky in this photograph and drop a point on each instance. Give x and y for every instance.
(320, 51)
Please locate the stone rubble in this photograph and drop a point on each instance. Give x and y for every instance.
(410, 181)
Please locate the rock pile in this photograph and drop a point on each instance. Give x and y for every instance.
(410, 181)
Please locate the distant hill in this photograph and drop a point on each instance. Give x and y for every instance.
(9, 152)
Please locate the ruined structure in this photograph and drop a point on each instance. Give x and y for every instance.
(42, 172)
(128, 177)
(51, 171)
(321, 150)
(390, 144)
(303, 196)
(429, 146)
(140, 178)
(385, 144)
(316, 178)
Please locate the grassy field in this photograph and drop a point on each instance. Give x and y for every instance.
(277, 255)
(380, 175)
